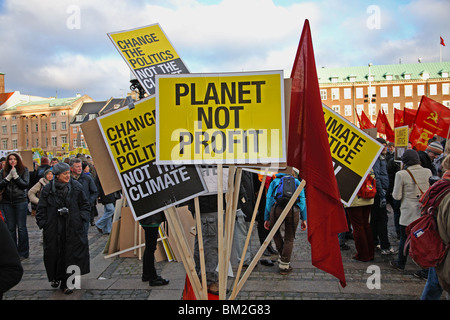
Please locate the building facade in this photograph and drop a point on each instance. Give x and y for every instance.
(388, 87)
(41, 124)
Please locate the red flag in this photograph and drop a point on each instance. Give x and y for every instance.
(408, 116)
(432, 118)
(309, 151)
(399, 119)
(384, 127)
(365, 122)
(442, 41)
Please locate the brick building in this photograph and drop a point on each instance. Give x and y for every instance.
(399, 86)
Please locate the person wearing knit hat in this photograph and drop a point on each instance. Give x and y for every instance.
(60, 167)
(410, 157)
(436, 148)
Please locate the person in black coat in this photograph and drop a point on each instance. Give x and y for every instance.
(62, 212)
(11, 269)
(14, 181)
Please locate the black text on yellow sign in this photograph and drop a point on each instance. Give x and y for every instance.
(226, 118)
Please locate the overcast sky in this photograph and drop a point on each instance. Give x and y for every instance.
(50, 47)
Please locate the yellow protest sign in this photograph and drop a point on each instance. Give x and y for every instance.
(220, 118)
(353, 152)
(148, 52)
(130, 138)
(401, 136)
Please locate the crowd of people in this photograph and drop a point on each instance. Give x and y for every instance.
(63, 196)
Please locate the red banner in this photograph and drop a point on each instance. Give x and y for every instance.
(432, 118)
(364, 122)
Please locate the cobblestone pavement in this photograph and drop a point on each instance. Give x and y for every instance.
(120, 278)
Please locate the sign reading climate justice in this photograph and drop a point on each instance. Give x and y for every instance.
(227, 118)
(353, 152)
(130, 138)
(148, 52)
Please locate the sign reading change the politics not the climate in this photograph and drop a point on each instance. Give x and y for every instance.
(353, 152)
(226, 118)
(130, 138)
(148, 52)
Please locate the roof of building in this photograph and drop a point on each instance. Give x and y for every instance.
(5, 96)
(380, 72)
(56, 102)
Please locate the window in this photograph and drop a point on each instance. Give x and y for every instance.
(425, 76)
(372, 109)
(53, 126)
(63, 125)
(389, 77)
(336, 108)
(13, 117)
(80, 117)
(348, 110)
(383, 92)
(74, 129)
(53, 114)
(63, 113)
(26, 128)
(445, 88)
(92, 116)
(408, 91)
(36, 127)
(407, 76)
(359, 108)
(323, 95)
(63, 139)
(54, 141)
(3, 118)
(14, 143)
(74, 143)
(433, 89)
(397, 106)
(445, 74)
(420, 90)
(446, 103)
(396, 91)
(335, 93)
(14, 128)
(4, 130)
(385, 107)
(359, 93)
(347, 93)
(5, 144)
(37, 143)
(372, 90)
(409, 105)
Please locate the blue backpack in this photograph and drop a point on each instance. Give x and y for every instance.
(284, 190)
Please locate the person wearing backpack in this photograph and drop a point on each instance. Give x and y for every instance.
(439, 277)
(359, 216)
(410, 183)
(276, 199)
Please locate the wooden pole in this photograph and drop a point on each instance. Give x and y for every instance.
(266, 242)
(184, 251)
(201, 250)
(220, 227)
(250, 229)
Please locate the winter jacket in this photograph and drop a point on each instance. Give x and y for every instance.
(34, 192)
(11, 270)
(406, 190)
(65, 241)
(381, 175)
(270, 197)
(89, 188)
(15, 190)
(443, 223)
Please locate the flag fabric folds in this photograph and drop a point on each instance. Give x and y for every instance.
(442, 41)
(408, 117)
(364, 121)
(384, 127)
(431, 118)
(399, 119)
(309, 152)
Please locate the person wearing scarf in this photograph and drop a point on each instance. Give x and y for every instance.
(62, 212)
